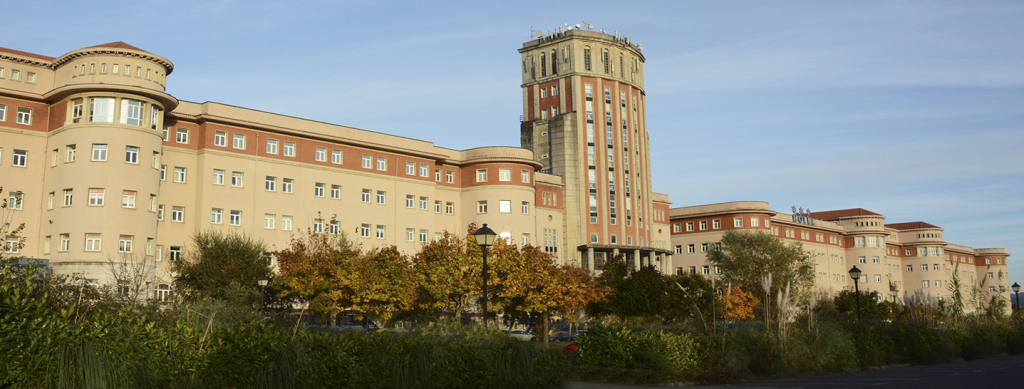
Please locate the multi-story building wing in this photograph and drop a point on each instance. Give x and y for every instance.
(101, 163)
(896, 260)
(583, 118)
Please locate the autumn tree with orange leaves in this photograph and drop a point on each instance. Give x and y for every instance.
(333, 274)
(528, 280)
(737, 304)
(450, 276)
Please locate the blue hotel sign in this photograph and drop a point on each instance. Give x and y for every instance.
(802, 216)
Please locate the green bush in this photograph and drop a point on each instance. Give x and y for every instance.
(634, 354)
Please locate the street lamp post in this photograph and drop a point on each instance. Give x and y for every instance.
(263, 281)
(855, 274)
(485, 238)
(1016, 294)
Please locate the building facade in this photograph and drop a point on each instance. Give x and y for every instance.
(584, 112)
(101, 164)
(896, 259)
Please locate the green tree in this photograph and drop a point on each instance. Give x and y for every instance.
(870, 306)
(217, 259)
(634, 293)
(317, 267)
(745, 257)
(384, 283)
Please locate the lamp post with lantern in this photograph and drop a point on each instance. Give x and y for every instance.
(484, 238)
(1016, 294)
(263, 281)
(855, 274)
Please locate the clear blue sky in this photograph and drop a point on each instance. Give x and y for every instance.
(911, 109)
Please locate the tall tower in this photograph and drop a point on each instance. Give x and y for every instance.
(583, 117)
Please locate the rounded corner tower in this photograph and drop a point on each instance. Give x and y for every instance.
(99, 113)
(584, 119)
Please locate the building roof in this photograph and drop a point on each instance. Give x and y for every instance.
(119, 45)
(825, 215)
(26, 54)
(911, 226)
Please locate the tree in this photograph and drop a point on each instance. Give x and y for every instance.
(317, 268)
(384, 283)
(217, 259)
(870, 305)
(633, 293)
(449, 272)
(737, 304)
(746, 256)
(528, 281)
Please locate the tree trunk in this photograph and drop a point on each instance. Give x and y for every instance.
(544, 317)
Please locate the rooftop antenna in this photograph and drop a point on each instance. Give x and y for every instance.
(538, 34)
(577, 26)
(602, 30)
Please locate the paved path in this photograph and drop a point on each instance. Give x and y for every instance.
(998, 373)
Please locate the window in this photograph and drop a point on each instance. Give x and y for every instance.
(689, 226)
(236, 179)
(481, 175)
(101, 110)
(910, 267)
(318, 189)
(382, 163)
(124, 244)
(703, 247)
(449, 208)
(336, 192)
(423, 203)
(321, 154)
(15, 200)
(286, 223)
(862, 260)
(938, 283)
(268, 221)
(504, 175)
(366, 196)
(364, 230)
(24, 116)
(423, 236)
(335, 227)
(935, 267)
(423, 170)
(691, 248)
(238, 141)
(437, 206)
(878, 260)
(289, 149)
(410, 168)
(367, 161)
(179, 174)
(380, 232)
(175, 253)
(155, 161)
(131, 154)
(437, 175)
(271, 146)
(677, 227)
(218, 177)
(449, 177)
(160, 212)
(49, 204)
(716, 224)
(53, 160)
(481, 207)
(924, 283)
(703, 225)
(220, 138)
(68, 197)
(96, 197)
(409, 234)
(526, 207)
(70, 153)
(92, 242)
(131, 112)
(737, 222)
(286, 185)
(163, 172)
(754, 222)
(99, 152)
(128, 199)
(178, 214)
(924, 267)
(336, 157)
(410, 201)
(505, 206)
(182, 136)
(525, 176)
(216, 216)
(235, 218)
(594, 238)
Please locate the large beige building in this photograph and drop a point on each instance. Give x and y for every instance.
(100, 163)
(896, 259)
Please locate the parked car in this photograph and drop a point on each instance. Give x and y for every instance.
(523, 335)
(565, 337)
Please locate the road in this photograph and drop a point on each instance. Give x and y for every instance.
(1002, 372)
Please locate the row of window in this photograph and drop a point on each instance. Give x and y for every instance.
(92, 68)
(93, 243)
(23, 116)
(504, 206)
(716, 224)
(103, 109)
(16, 75)
(504, 175)
(613, 239)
